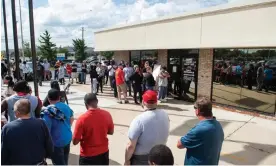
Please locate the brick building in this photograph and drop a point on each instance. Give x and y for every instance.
(187, 45)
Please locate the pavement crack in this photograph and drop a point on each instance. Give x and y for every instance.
(239, 128)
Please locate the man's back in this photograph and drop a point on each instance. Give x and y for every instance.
(25, 142)
(203, 143)
(60, 130)
(152, 128)
(92, 127)
(12, 99)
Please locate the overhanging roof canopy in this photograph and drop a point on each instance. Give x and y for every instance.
(227, 26)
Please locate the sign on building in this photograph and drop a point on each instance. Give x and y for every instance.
(61, 56)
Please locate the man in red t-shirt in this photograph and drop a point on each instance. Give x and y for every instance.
(120, 83)
(91, 131)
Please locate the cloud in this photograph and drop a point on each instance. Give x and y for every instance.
(64, 18)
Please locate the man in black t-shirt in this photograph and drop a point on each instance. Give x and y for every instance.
(74, 71)
(40, 72)
(26, 140)
(83, 72)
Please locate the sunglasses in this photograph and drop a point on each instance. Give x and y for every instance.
(195, 107)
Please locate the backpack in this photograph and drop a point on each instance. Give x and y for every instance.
(54, 112)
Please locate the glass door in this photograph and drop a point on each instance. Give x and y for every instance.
(182, 65)
(189, 77)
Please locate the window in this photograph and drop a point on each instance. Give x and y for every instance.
(245, 78)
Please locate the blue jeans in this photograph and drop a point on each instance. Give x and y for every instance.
(149, 88)
(83, 77)
(162, 92)
(60, 155)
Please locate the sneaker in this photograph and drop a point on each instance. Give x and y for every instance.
(120, 102)
(126, 102)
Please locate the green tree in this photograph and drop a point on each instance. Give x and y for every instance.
(27, 49)
(79, 48)
(47, 48)
(107, 54)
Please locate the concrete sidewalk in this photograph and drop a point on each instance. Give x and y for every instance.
(248, 140)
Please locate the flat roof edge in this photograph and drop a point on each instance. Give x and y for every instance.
(214, 9)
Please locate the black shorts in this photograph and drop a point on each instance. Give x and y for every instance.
(101, 159)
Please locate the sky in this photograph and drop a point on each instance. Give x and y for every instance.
(64, 18)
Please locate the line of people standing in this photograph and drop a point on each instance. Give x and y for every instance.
(125, 78)
(47, 133)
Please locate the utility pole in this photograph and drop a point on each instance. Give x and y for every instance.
(32, 34)
(6, 37)
(15, 40)
(21, 27)
(82, 32)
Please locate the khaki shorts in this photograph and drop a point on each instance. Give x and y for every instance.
(74, 75)
(122, 88)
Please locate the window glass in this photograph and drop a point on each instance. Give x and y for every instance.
(135, 57)
(245, 78)
(150, 56)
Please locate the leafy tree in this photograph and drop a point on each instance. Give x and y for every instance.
(79, 48)
(107, 54)
(47, 48)
(27, 49)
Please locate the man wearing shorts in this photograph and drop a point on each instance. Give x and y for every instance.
(120, 83)
(74, 71)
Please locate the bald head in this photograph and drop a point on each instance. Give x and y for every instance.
(22, 107)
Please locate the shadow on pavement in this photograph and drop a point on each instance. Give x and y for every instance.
(168, 107)
(74, 160)
(133, 110)
(185, 127)
(252, 153)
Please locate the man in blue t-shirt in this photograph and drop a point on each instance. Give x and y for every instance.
(26, 140)
(268, 73)
(204, 141)
(58, 117)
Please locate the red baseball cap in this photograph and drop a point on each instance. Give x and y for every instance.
(150, 97)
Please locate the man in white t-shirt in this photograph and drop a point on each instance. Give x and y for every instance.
(148, 129)
(111, 74)
(46, 68)
(25, 69)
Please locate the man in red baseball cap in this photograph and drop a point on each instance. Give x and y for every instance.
(146, 130)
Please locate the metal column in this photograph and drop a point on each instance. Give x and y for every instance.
(15, 40)
(6, 37)
(32, 35)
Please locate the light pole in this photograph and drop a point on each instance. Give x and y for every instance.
(6, 37)
(15, 40)
(21, 27)
(32, 34)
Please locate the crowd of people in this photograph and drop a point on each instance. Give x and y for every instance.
(129, 80)
(44, 128)
(242, 75)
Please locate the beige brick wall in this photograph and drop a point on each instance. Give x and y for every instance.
(205, 72)
(121, 55)
(163, 57)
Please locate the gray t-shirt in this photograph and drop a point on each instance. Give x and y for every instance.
(150, 128)
(163, 81)
(128, 72)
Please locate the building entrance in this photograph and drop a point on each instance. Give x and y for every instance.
(182, 64)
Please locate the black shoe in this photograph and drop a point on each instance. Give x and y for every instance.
(126, 102)
(137, 103)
